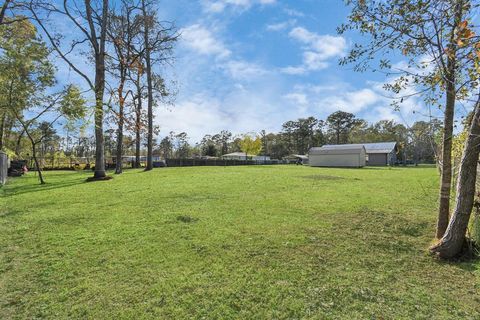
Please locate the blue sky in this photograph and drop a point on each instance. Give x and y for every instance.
(251, 65)
(248, 65)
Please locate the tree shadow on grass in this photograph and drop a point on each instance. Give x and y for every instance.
(465, 263)
(51, 184)
(468, 259)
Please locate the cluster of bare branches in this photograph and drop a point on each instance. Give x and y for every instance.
(119, 49)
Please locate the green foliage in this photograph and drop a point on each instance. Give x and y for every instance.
(300, 135)
(217, 144)
(475, 229)
(26, 68)
(256, 242)
(26, 72)
(459, 144)
(72, 104)
(340, 124)
(251, 145)
(10, 153)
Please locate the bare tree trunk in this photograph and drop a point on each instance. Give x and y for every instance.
(34, 155)
(99, 139)
(454, 238)
(19, 141)
(138, 123)
(99, 92)
(2, 129)
(118, 164)
(119, 153)
(446, 169)
(149, 89)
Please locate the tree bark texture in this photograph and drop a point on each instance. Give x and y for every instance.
(149, 89)
(446, 168)
(453, 240)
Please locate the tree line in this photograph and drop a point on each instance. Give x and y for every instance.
(417, 143)
(118, 49)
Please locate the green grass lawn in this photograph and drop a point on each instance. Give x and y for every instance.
(257, 242)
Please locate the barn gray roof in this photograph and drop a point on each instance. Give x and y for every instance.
(338, 149)
(379, 147)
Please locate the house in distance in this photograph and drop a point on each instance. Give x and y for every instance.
(354, 155)
(243, 156)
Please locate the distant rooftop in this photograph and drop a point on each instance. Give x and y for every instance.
(236, 154)
(377, 147)
(338, 149)
(380, 147)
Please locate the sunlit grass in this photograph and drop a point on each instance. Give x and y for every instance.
(282, 242)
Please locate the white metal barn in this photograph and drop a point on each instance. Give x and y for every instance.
(337, 156)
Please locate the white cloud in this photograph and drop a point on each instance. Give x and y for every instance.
(318, 49)
(314, 60)
(242, 70)
(326, 46)
(358, 100)
(324, 88)
(370, 103)
(217, 6)
(384, 112)
(298, 98)
(294, 70)
(201, 40)
(325, 99)
(350, 101)
(195, 117)
(294, 13)
(266, 105)
(281, 25)
(425, 64)
(240, 110)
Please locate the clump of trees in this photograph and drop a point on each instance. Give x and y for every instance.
(119, 50)
(419, 142)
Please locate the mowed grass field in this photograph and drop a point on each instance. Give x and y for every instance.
(257, 242)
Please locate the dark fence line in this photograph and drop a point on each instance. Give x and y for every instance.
(74, 164)
(217, 162)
